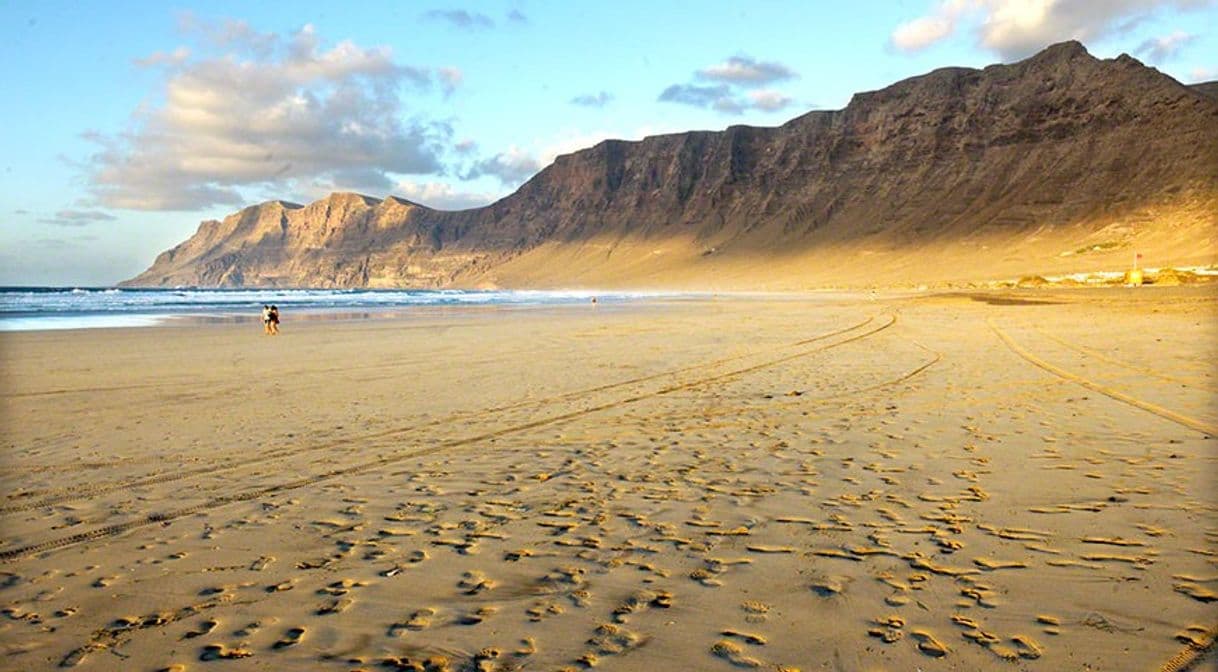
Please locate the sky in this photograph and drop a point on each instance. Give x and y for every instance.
(125, 124)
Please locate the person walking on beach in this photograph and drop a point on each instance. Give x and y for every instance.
(273, 317)
(266, 319)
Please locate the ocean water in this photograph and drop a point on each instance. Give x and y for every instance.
(29, 308)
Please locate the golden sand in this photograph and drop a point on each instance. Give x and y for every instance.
(814, 482)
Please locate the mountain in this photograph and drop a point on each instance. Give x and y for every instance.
(1060, 162)
(1206, 88)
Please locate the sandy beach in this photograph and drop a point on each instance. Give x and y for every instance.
(1019, 480)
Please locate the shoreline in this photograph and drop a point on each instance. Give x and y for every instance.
(201, 313)
(200, 316)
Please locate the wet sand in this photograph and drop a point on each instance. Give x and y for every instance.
(1018, 480)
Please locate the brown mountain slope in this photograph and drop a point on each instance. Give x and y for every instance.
(1059, 162)
(1206, 88)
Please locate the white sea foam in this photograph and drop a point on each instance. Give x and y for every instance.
(81, 308)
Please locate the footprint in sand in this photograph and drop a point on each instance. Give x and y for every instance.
(204, 628)
(705, 577)
(990, 564)
(1113, 541)
(1197, 592)
(335, 606)
(396, 532)
(762, 548)
(412, 558)
(610, 639)
(929, 645)
(261, 563)
(896, 600)
(518, 554)
(974, 632)
(755, 612)
(375, 552)
(981, 595)
(290, 638)
(1195, 636)
(1051, 623)
(580, 598)
(527, 648)
(419, 620)
(221, 652)
(1027, 647)
(662, 600)
(746, 637)
(640, 601)
(474, 582)
(484, 660)
(734, 654)
(340, 587)
(250, 629)
(829, 586)
(281, 586)
(476, 617)
(543, 610)
(890, 629)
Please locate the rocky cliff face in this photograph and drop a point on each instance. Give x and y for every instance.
(1024, 166)
(1209, 89)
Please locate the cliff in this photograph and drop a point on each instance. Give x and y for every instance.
(1058, 162)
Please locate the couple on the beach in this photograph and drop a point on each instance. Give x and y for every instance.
(270, 320)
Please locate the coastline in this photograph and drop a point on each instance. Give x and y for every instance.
(238, 305)
(42, 309)
(630, 481)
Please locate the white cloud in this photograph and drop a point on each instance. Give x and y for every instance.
(459, 18)
(510, 167)
(746, 71)
(1018, 28)
(728, 90)
(593, 100)
(442, 196)
(175, 57)
(270, 110)
(1159, 49)
(922, 32)
(227, 34)
(718, 97)
(768, 100)
(77, 217)
(725, 99)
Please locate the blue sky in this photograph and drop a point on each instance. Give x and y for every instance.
(125, 123)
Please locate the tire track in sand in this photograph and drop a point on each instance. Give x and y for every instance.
(1165, 413)
(1091, 352)
(160, 518)
(77, 493)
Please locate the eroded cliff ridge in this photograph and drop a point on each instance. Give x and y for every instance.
(1059, 162)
